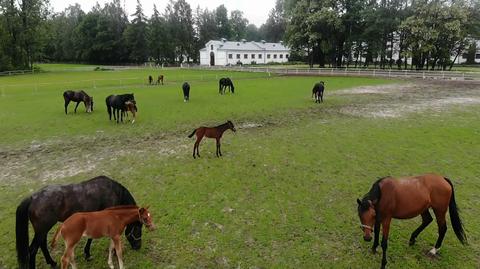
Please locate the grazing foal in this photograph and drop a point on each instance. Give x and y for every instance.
(131, 106)
(211, 132)
(160, 79)
(106, 223)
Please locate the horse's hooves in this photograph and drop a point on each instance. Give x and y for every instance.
(54, 266)
(88, 258)
(411, 242)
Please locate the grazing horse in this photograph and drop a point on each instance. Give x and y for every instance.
(186, 91)
(160, 79)
(54, 203)
(407, 198)
(150, 80)
(117, 104)
(317, 92)
(211, 132)
(109, 222)
(78, 97)
(131, 106)
(223, 83)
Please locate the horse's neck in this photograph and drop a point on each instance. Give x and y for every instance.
(127, 216)
(223, 127)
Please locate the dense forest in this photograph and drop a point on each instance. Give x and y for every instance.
(339, 33)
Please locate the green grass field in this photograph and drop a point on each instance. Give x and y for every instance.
(282, 196)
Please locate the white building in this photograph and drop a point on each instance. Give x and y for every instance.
(223, 52)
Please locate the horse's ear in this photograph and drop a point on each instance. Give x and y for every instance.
(359, 202)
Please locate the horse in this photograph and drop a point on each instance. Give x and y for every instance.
(131, 106)
(117, 104)
(407, 198)
(150, 80)
(109, 222)
(160, 79)
(78, 97)
(211, 132)
(317, 92)
(56, 203)
(186, 91)
(223, 83)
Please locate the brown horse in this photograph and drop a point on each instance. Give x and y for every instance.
(160, 79)
(211, 132)
(131, 106)
(407, 198)
(78, 97)
(106, 223)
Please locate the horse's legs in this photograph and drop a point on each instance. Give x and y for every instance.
(385, 231)
(218, 147)
(34, 249)
(426, 220)
(376, 231)
(66, 105)
(321, 96)
(86, 250)
(118, 250)
(68, 256)
(118, 115)
(76, 106)
(46, 254)
(442, 229)
(110, 254)
(197, 146)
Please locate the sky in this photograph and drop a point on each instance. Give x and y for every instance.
(256, 11)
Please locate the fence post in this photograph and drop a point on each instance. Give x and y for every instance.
(423, 74)
(373, 72)
(389, 72)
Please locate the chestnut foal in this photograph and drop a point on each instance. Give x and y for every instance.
(211, 132)
(105, 223)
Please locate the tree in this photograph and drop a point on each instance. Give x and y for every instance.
(181, 29)
(238, 25)
(136, 36)
(274, 29)
(157, 37)
(223, 25)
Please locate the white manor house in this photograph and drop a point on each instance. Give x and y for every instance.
(223, 52)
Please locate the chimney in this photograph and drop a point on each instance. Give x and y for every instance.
(244, 41)
(263, 41)
(223, 40)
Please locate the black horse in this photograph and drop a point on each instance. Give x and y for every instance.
(116, 104)
(317, 92)
(150, 80)
(186, 91)
(223, 83)
(56, 203)
(78, 97)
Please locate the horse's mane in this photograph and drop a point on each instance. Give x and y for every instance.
(373, 194)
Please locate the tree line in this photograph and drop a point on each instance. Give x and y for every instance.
(370, 32)
(30, 32)
(337, 33)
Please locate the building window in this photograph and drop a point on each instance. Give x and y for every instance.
(477, 56)
(238, 56)
(274, 56)
(259, 56)
(253, 56)
(245, 56)
(268, 56)
(230, 56)
(211, 47)
(281, 56)
(286, 56)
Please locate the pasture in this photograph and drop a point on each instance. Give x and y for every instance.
(284, 193)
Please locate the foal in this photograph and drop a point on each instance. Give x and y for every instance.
(131, 106)
(106, 223)
(160, 79)
(211, 132)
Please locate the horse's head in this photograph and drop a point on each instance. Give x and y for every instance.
(133, 233)
(146, 218)
(89, 103)
(366, 213)
(230, 126)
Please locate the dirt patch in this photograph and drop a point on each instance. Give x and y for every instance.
(398, 100)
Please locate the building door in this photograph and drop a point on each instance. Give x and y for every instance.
(212, 58)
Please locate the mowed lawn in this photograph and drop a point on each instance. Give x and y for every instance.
(282, 196)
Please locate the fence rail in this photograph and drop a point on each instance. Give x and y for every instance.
(387, 73)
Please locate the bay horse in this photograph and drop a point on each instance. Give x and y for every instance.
(109, 222)
(54, 203)
(407, 198)
(116, 104)
(186, 91)
(317, 92)
(211, 132)
(223, 83)
(80, 96)
(160, 79)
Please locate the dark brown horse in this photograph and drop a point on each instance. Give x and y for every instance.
(160, 79)
(317, 92)
(81, 96)
(407, 198)
(211, 132)
(105, 223)
(223, 83)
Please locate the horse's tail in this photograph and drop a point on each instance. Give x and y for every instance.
(194, 131)
(21, 230)
(455, 217)
(109, 107)
(220, 86)
(53, 244)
